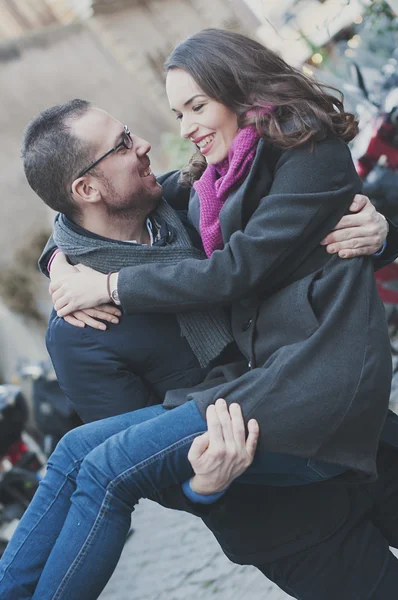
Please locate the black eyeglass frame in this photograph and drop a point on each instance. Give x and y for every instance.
(128, 145)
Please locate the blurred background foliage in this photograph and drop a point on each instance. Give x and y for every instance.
(177, 149)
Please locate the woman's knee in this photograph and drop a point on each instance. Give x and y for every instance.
(94, 470)
(69, 449)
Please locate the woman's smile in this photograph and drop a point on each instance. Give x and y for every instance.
(210, 125)
(206, 143)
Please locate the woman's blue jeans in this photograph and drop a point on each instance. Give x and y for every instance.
(70, 538)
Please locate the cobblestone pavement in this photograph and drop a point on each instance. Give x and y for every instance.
(172, 556)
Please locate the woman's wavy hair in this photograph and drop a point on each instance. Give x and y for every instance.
(247, 77)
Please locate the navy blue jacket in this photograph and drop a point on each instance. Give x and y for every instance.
(126, 367)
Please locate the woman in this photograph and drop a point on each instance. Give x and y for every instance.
(293, 304)
(316, 318)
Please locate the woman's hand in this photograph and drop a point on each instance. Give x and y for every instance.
(363, 232)
(91, 316)
(60, 267)
(223, 452)
(82, 289)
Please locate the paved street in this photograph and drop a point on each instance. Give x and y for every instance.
(172, 556)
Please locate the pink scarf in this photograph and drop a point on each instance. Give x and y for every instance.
(218, 181)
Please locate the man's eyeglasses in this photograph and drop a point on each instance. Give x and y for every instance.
(126, 141)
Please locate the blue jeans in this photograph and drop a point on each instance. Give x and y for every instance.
(71, 536)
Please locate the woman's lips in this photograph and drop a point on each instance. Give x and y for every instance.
(208, 146)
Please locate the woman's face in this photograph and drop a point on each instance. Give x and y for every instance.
(211, 126)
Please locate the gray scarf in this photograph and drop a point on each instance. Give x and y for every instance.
(208, 333)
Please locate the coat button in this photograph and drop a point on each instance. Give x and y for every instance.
(246, 325)
(250, 364)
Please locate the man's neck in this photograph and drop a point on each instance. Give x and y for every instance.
(114, 228)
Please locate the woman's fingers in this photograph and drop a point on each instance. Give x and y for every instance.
(85, 317)
(54, 286)
(74, 321)
(99, 313)
(91, 317)
(111, 309)
(79, 291)
(58, 298)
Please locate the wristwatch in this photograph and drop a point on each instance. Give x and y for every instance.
(113, 293)
(115, 296)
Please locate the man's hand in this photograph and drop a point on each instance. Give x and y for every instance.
(79, 290)
(363, 232)
(223, 452)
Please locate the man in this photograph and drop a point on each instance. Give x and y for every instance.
(301, 549)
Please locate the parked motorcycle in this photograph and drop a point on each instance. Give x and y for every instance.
(375, 152)
(21, 461)
(52, 412)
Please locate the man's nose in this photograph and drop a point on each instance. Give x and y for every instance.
(142, 147)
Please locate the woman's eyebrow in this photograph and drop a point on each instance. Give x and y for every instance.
(189, 101)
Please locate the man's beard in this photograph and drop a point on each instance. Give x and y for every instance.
(129, 207)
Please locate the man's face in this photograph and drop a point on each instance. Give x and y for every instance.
(124, 178)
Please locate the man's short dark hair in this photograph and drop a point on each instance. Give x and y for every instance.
(52, 155)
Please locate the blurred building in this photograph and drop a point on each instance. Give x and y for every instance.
(108, 51)
(295, 27)
(17, 17)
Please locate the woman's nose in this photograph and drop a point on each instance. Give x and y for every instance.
(187, 128)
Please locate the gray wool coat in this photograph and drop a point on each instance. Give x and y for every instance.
(311, 326)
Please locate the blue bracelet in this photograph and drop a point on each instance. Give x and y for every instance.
(380, 252)
(200, 498)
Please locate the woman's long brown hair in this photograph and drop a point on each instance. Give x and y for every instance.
(246, 77)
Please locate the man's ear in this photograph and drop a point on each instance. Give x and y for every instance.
(84, 189)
